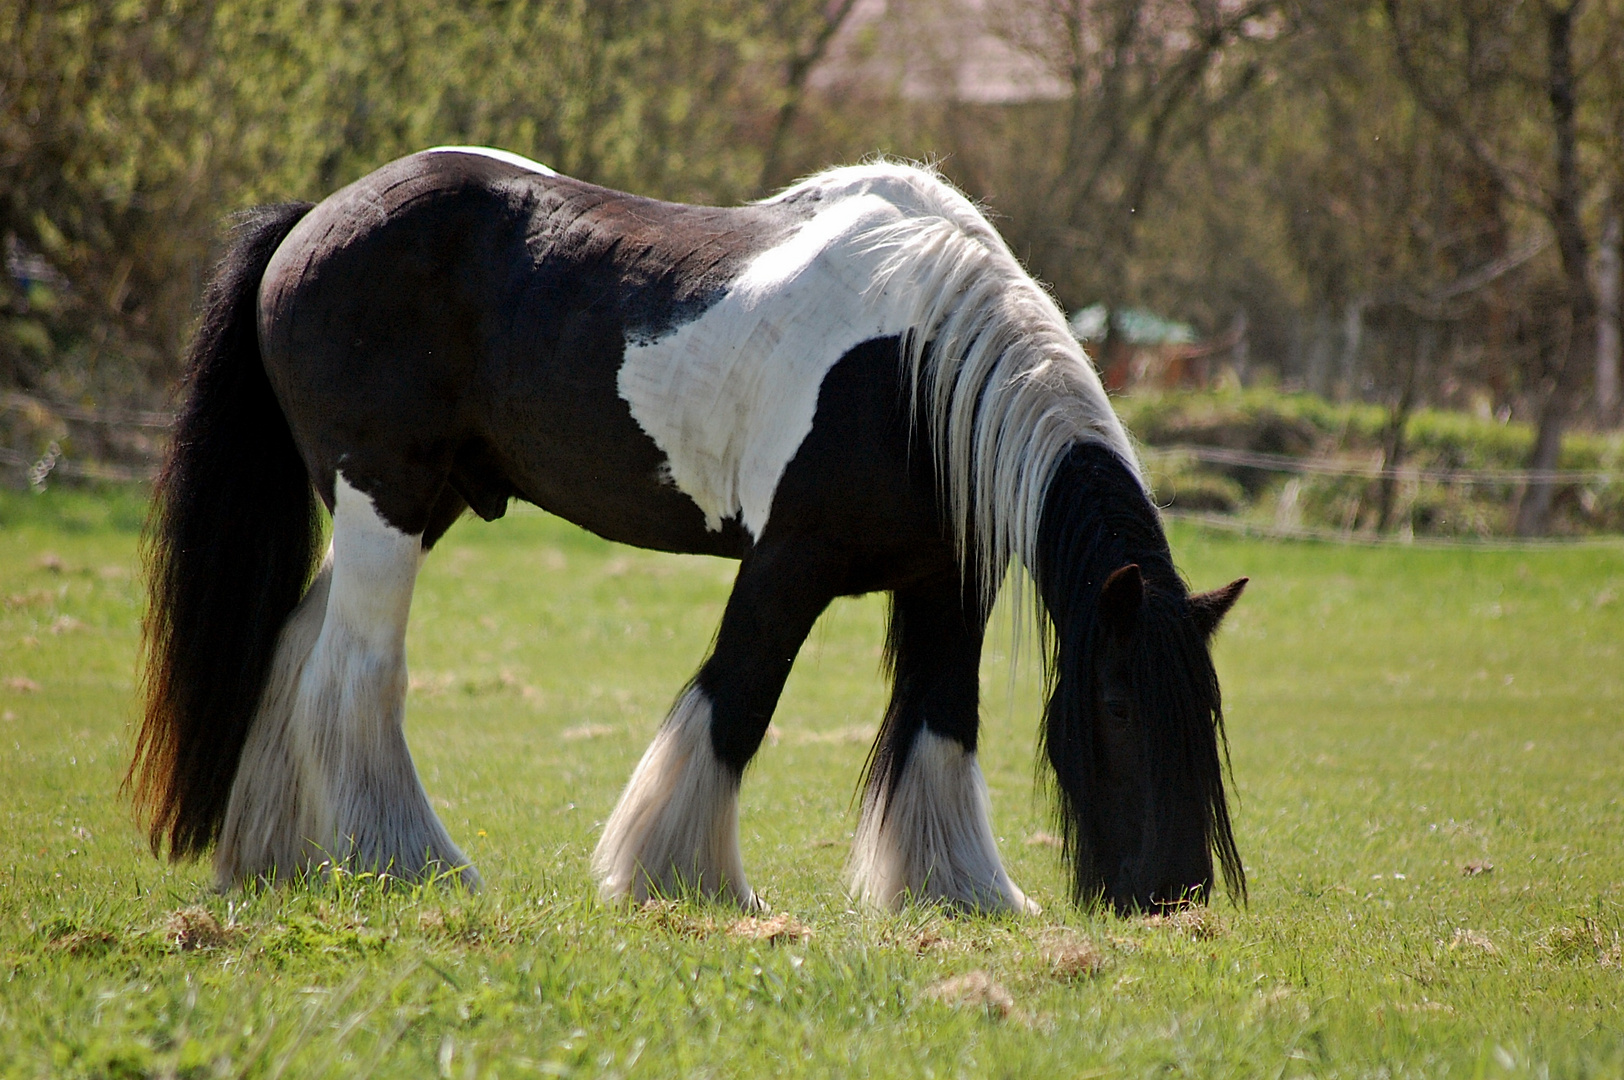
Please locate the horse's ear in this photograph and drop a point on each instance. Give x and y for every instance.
(1121, 597)
(1209, 608)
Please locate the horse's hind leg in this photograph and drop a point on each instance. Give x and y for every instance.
(925, 832)
(326, 776)
(676, 827)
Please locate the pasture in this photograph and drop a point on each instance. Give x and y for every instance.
(1428, 751)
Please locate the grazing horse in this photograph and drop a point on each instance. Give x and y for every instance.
(851, 386)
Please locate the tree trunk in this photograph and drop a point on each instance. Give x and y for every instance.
(1534, 510)
(1394, 445)
(1608, 273)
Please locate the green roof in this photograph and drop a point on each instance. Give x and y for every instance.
(1139, 326)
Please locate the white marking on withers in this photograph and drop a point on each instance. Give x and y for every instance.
(1005, 391)
(326, 776)
(930, 838)
(730, 396)
(507, 156)
(676, 827)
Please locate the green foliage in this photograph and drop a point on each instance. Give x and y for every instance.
(129, 130)
(107, 138)
(1425, 747)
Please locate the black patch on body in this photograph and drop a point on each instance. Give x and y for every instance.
(454, 321)
(855, 512)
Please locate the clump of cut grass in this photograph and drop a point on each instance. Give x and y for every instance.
(973, 990)
(1589, 940)
(1071, 957)
(193, 928)
(1197, 921)
(780, 929)
(1472, 939)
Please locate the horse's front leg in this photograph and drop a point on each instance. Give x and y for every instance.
(925, 833)
(676, 827)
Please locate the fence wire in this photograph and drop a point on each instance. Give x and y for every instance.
(40, 470)
(1285, 463)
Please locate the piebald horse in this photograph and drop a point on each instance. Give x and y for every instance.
(850, 386)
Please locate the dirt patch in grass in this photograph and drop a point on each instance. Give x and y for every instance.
(780, 929)
(195, 928)
(972, 990)
(675, 917)
(82, 942)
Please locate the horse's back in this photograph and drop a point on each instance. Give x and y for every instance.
(469, 315)
(459, 317)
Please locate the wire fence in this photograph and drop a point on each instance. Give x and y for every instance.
(1303, 466)
(39, 471)
(53, 463)
(1240, 526)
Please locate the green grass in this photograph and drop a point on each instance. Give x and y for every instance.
(1395, 715)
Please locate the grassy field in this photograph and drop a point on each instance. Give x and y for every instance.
(1429, 760)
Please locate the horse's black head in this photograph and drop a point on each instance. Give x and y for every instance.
(1157, 810)
(1134, 723)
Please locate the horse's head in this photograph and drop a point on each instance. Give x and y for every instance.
(1134, 722)
(1158, 809)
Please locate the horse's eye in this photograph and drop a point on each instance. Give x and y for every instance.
(1118, 708)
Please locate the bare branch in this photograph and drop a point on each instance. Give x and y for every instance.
(1515, 182)
(799, 70)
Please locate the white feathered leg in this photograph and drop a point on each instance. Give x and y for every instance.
(326, 776)
(929, 838)
(676, 827)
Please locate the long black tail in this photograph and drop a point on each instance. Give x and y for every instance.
(230, 546)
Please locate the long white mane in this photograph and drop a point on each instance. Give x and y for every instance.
(1004, 386)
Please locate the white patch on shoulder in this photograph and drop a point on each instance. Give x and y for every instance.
(730, 396)
(507, 156)
(930, 838)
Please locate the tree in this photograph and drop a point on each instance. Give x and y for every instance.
(107, 137)
(1520, 113)
(128, 131)
(1135, 85)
